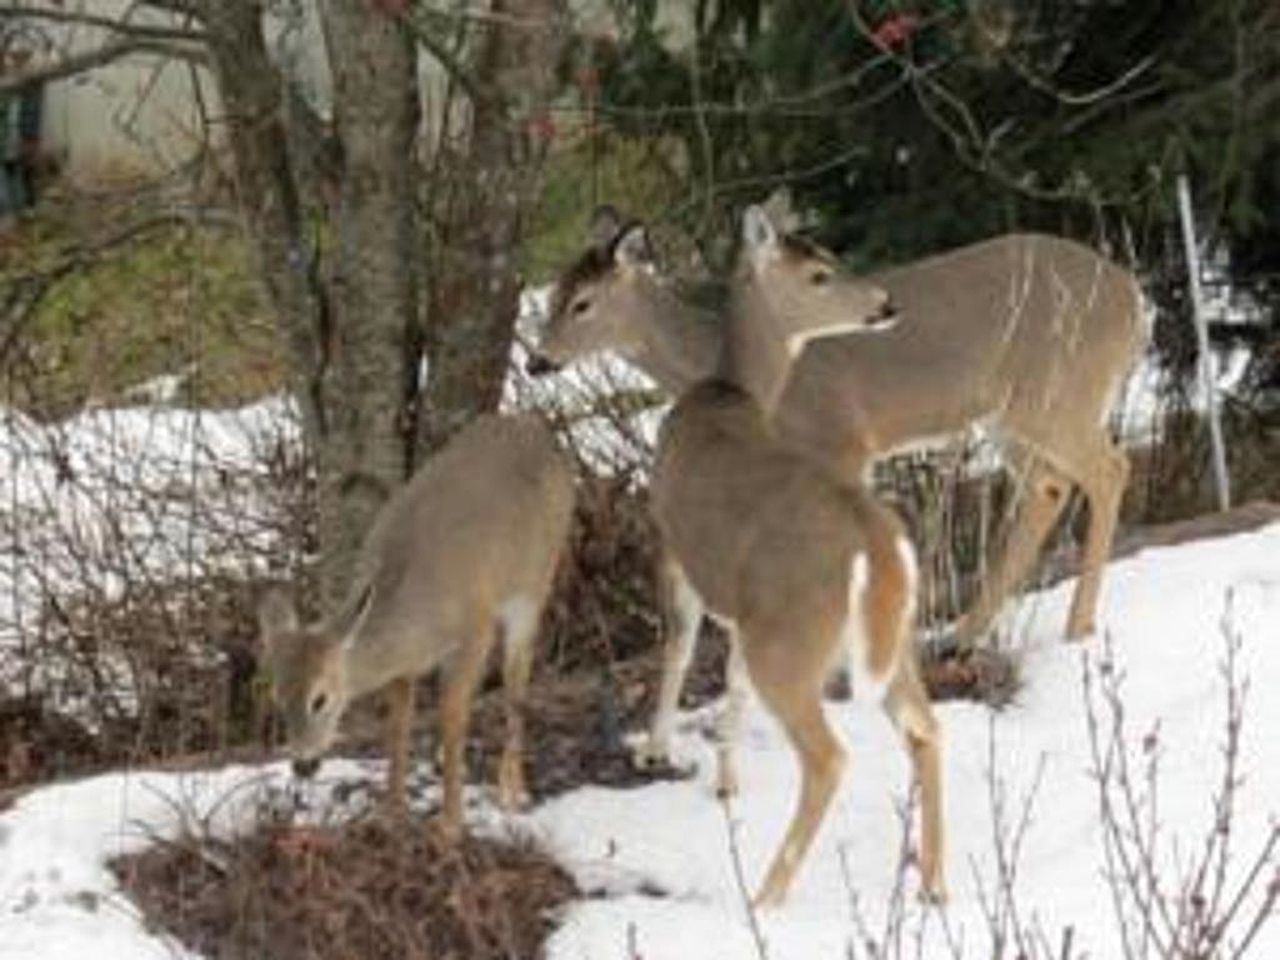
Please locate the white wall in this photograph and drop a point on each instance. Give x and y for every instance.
(141, 114)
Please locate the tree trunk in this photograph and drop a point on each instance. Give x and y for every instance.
(250, 88)
(352, 324)
(373, 342)
(494, 181)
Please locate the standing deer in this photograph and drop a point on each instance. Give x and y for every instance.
(465, 551)
(1029, 336)
(802, 568)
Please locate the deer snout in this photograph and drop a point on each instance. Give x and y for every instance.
(306, 767)
(886, 315)
(539, 364)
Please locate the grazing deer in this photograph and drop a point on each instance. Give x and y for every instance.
(465, 551)
(1029, 336)
(803, 569)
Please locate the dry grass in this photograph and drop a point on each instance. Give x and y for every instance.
(368, 889)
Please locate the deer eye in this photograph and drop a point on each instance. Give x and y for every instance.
(820, 277)
(318, 702)
(581, 307)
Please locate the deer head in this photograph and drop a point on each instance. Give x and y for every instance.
(798, 291)
(307, 666)
(592, 299)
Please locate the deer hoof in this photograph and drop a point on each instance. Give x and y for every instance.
(650, 753)
(933, 896)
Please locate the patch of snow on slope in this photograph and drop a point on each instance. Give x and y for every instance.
(1162, 609)
(59, 900)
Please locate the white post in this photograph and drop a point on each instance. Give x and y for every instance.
(1221, 479)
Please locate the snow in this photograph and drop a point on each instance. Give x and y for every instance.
(57, 897)
(1162, 609)
(662, 855)
(145, 494)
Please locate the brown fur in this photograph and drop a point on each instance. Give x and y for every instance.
(1030, 332)
(768, 541)
(463, 553)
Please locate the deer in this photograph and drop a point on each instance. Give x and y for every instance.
(800, 566)
(462, 554)
(1028, 336)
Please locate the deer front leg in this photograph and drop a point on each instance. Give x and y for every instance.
(681, 610)
(908, 707)
(399, 694)
(513, 793)
(730, 721)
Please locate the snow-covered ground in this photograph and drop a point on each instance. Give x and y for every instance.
(1163, 610)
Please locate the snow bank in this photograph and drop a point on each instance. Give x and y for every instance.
(1163, 610)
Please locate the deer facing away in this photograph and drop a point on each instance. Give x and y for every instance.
(464, 553)
(798, 565)
(1030, 336)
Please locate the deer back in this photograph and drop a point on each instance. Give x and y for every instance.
(481, 523)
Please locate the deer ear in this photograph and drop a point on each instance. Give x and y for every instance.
(633, 249)
(606, 224)
(276, 615)
(759, 234)
(352, 616)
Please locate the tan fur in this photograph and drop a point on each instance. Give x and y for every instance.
(1031, 335)
(889, 598)
(465, 551)
(768, 540)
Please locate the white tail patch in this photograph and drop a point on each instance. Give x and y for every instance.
(911, 571)
(866, 684)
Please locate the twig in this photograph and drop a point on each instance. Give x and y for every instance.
(735, 854)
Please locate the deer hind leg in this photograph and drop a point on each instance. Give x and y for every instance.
(399, 694)
(729, 723)
(1043, 499)
(682, 611)
(519, 628)
(1104, 489)
(455, 713)
(794, 695)
(907, 704)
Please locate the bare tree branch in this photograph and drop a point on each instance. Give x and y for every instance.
(114, 24)
(109, 52)
(458, 71)
(1047, 87)
(101, 56)
(190, 8)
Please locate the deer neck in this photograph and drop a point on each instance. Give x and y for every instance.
(753, 358)
(679, 343)
(365, 669)
(368, 660)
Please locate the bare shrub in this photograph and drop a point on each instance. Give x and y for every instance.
(368, 888)
(1206, 900)
(1213, 902)
(128, 538)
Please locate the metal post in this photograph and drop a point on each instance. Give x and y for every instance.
(1221, 479)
